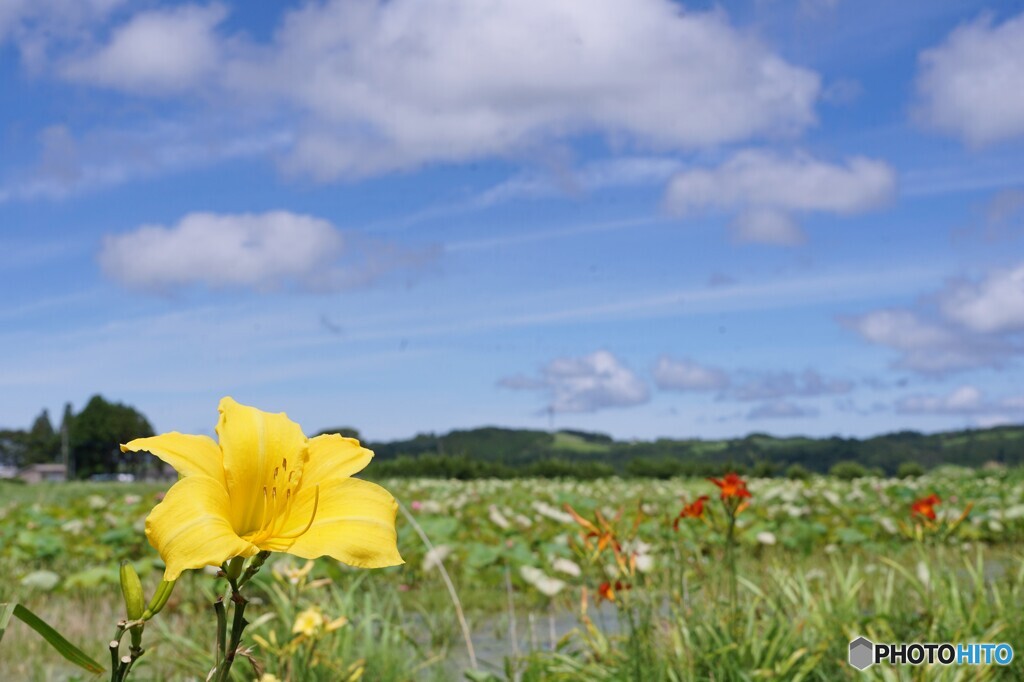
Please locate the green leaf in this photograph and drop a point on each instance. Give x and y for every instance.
(6, 611)
(54, 638)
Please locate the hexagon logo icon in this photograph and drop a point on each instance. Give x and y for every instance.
(862, 653)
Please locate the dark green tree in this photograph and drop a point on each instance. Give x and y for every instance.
(42, 443)
(96, 435)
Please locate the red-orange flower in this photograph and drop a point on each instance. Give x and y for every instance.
(607, 591)
(605, 534)
(925, 506)
(694, 510)
(731, 486)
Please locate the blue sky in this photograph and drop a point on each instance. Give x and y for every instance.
(642, 217)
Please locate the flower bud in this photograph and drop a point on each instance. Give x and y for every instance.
(159, 600)
(131, 588)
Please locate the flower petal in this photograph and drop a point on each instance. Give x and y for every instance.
(190, 528)
(189, 455)
(334, 456)
(354, 523)
(257, 445)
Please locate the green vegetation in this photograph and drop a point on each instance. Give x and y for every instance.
(820, 561)
(507, 453)
(492, 452)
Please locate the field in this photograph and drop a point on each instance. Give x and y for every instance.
(815, 563)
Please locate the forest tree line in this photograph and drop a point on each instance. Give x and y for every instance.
(89, 442)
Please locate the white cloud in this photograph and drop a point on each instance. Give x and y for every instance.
(775, 385)
(686, 375)
(69, 163)
(370, 87)
(930, 347)
(745, 385)
(617, 172)
(900, 329)
(766, 189)
(391, 85)
(780, 409)
(962, 400)
(34, 26)
(252, 250)
(593, 382)
(995, 304)
(767, 226)
(965, 400)
(261, 251)
(972, 85)
(163, 51)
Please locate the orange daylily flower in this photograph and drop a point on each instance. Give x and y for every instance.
(731, 486)
(925, 506)
(602, 531)
(607, 590)
(694, 510)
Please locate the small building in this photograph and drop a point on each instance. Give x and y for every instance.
(43, 473)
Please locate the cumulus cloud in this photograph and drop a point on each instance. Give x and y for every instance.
(765, 190)
(381, 86)
(687, 375)
(970, 323)
(929, 346)
(260, 251)
(994, 304)
(972, 84)
(962, 400)
(966, 400)
(745, 385)
(165, 51)
(587, 384)
(780, 409)
(398, 84)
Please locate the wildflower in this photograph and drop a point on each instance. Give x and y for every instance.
(567, 566)
(266, 487)
(602, 531)
(435, 557)
(544, 583)
(731, 486)
(694, 510)
(292, 573)
(925, 506)
(766, 537)
(607, 590)
(497, 518)
(553, 513)
(308, 622)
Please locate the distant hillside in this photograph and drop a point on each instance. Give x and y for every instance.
(508, 452)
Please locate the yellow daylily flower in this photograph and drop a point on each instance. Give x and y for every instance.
(267, 487)
(308, 622)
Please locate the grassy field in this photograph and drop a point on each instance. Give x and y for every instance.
(817, 563)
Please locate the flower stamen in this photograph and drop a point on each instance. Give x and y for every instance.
(312, 517)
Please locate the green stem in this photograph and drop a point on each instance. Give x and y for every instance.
(237, 626)
(222, 631)
(730, 560)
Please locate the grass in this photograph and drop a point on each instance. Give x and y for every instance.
(570, 442)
